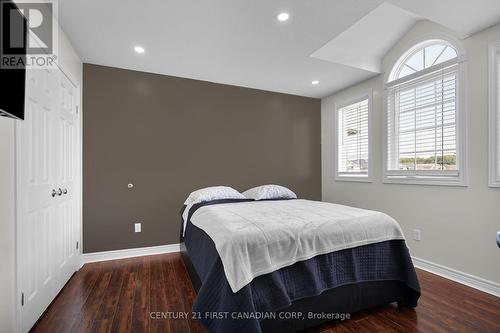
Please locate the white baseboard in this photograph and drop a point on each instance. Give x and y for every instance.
(128, 253)
(472, 281)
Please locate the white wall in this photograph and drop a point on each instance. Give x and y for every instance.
(72, 65)
(458, 224)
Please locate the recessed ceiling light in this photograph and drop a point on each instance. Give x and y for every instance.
(139, 49)
(315, 82)
(283, 16)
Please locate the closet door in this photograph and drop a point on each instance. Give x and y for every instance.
(36, 213)
(66, 207)
(47, 219)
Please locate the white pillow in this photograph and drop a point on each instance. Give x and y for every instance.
(208, 194)
(269, 192)
(213, 193)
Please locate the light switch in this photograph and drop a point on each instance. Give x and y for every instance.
(138, 227)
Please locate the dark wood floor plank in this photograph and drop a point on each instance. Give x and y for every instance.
(91, 306)
(175, 295)
(104, 318)
(405, 318)
(158, 297)
(140, 323)
(331, 328)
(122, 320)
(187, 294)
(119, 296)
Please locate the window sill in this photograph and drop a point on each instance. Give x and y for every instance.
(495, 184)
(416, 180)
(359, 179)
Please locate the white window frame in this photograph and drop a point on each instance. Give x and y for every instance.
(368, 177)
(433, 177)
(494, 113)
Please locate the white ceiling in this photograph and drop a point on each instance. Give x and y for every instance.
(240, 42)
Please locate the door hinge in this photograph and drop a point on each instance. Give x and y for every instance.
(77, 245)
(77, 109)
(22, 299)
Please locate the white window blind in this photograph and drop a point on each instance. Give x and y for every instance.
(353, 139)
(422, 125)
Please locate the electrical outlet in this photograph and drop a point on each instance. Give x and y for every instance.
(417, 235)
(138, 227)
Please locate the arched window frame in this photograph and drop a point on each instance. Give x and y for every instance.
(427, 177)
(402, 61)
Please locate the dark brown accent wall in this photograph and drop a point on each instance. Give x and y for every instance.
(169, 136)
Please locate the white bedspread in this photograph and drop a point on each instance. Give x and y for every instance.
(256, 238)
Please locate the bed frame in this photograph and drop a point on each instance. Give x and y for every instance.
(342, 300)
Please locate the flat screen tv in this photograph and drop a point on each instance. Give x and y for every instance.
(12, 80)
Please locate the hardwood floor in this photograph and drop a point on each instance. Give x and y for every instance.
(120, 295)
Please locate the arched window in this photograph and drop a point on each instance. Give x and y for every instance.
(424, 57)
(424, 123)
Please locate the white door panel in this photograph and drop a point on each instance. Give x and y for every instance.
(36, 214)
(65, 141)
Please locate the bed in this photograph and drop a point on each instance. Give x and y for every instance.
(330, 263)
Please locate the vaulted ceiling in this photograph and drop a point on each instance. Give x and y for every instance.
(241, 42)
